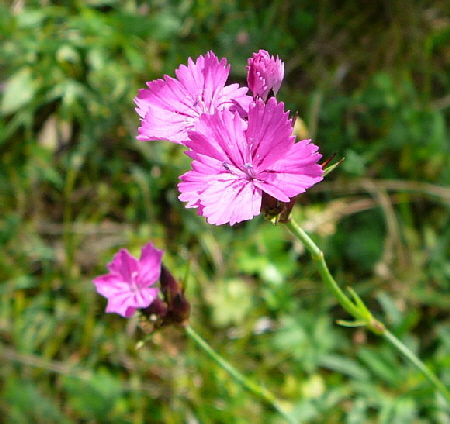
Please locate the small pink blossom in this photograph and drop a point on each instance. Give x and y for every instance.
(264, 73)
(128, 286)
(235, 161)
(169, 107)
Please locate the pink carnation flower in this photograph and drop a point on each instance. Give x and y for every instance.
(235, 161)
(170, 107)
(264, 73)
(128, 286)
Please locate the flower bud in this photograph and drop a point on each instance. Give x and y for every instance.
(169, 286)
(274, 209)
(264, 73)
(178, 307)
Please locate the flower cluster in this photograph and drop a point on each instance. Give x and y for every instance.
(235, 161)
(241, 146)
(130, 285)
(245, 160)
(170, 107)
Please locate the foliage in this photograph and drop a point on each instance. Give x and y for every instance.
(75, 185)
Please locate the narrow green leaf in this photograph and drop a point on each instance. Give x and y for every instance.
(19, 90)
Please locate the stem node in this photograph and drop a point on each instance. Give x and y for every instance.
(358, 310)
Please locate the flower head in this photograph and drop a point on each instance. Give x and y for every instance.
(169, 107)
(264, 73)
(235, 161)
(128, 286)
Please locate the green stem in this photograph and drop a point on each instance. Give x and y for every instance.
(259, 391)
(327, 278)
(418, 363)
(359, 311)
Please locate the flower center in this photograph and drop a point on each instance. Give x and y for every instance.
(245, 171)
(134, 285)
(201, 106)
(248, 169)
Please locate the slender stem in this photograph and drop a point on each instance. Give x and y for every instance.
(360, 312)
(240, 378)
(418, 363)
(328, 279)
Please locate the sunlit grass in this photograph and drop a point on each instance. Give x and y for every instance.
(75, 186)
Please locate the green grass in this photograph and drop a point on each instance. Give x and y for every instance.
(370, 82)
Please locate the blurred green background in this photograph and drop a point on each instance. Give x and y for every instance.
(371, 81)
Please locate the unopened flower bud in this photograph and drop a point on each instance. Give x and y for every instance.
(274, 209)
(180, 309)
(264, 73)
(168, 284)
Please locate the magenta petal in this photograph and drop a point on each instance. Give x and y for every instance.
(128, 286)
(166, 110)
(231, 203)
(120, 306)
(110, 284)
(169, 107)
(207, 76)
(235, 161)
(123, 264)
(272, 128)
(150, 265)
(264, 73)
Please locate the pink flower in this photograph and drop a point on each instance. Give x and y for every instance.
(235, 161)
(170, 107)
(264, 73)
(128, 284)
